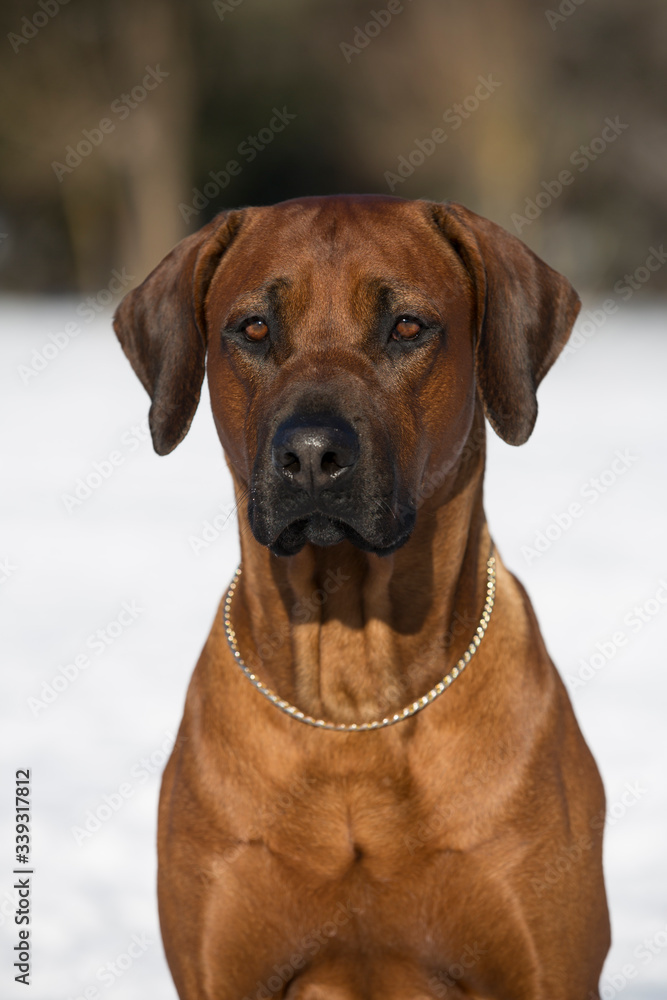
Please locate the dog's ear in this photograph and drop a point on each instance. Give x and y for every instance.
(161, 328)
(524, 315)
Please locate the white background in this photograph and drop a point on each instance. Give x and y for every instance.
(130, 541)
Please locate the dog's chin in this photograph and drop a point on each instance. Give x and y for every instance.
(318, 529)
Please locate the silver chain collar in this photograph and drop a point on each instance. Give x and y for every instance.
(405, 713)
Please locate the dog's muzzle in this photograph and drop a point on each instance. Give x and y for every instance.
(320, 480)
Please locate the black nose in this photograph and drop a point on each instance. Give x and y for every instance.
(314, 452)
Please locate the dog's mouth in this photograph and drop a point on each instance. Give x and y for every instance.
(324, 530)
(317, 480)
(318, 529)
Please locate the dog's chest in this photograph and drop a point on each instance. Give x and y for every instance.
(390, 851)
(379, 821)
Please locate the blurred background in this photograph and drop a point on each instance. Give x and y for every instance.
(361, 97)
(127, 125)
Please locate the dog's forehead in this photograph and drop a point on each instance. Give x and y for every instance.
(352, 226)
(339, 246)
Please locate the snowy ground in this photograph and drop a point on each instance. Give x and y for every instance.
(69, 572)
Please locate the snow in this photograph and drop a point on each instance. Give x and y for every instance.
(70, 573)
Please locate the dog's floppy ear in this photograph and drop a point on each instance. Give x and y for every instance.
(161, 328)
(524, 314)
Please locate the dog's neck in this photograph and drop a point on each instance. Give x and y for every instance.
(349, 636)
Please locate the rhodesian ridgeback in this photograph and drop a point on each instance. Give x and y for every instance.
(379, 790)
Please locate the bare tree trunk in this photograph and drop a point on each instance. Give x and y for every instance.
(150, 154)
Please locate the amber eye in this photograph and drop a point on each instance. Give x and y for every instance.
(255, 329)
(406, 329)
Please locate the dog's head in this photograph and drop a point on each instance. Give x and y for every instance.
(349, 340)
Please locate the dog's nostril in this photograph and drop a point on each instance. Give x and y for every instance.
(315, 451)
(330, 465)
(291, 463)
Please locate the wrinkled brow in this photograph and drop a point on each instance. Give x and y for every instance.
(373, 297)
(282, 299)
(266, 295)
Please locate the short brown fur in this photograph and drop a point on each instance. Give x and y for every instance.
(407, 863)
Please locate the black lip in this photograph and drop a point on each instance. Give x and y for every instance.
(324, 531)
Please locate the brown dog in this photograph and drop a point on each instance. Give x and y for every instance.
(354, 345)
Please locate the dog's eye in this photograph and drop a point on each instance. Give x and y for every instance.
(255, 328)
(407, 328)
